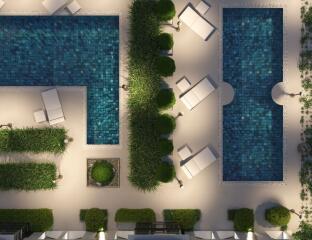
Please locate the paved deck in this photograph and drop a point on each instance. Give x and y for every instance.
(195, 59)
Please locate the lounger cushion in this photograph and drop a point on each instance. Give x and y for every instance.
(204, 158)
(187, 172)
(185, 152)
(53, 5)
(190, 99)
(202, 7)
(189, 16)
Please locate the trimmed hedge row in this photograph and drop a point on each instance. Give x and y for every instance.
(94, 218)
(40, 220)
(33, 140)
(27, 176)
(243, 219)
(186, 218)
(135, 215)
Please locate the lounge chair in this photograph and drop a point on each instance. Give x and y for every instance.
(198, 93)
(2, 3)
(123, 234)
(74, 235)
(183, 84)
(208, 235)
(73, 7)
(245, 236)
(196, 22)
(198, 162)
(54, 5)
(282, 235)
(53, 106)
(226, 235)
(40, 116)
(54, 234)
(185, 152)
(202, 7)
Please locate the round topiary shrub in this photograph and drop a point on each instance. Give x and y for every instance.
(95, 220)
(165, 66)
(166, 172)
(165, 147)
(244, 220)
(166, 124)
(278, 216)
(165, 99)
(102, 172)
(165, 10)
(165, 41)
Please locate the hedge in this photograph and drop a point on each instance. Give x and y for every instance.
(243, 219)
(186, 218)
(35, 140)
(27, 176)
(96, 219)
(165, 10)
(165, 66)
(135, 215)
(166, 124)
(165, 41)
(82, 213)
(304, 232)
(165, 99)
(166, 172)
(278, 216)
(166, 147)
(40, 220)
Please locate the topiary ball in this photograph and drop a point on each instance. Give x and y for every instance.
(165, 66)
(102, 172)
(244, 220)
(278, 216)
(165, 147)
(166, 172)
(95, 220)
(165, 10)
(166, 124)
(165, 41)
(165, 99)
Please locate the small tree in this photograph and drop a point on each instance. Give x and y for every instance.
(278, 216)
(95, 220)
(165, 10)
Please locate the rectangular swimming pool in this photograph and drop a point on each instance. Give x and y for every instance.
(67, 51)
(252, 122)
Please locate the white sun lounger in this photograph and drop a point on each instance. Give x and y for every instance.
(185, 152)
(53, 5)
(196, 22)
(183, 84)
(198, 93)
(73, 7)
(208, 235)
(198, 162)
(2, 3)
(202, 7)
(123, 234)
(71, 235)
(53, 106)
(226, 235)
(54, 234)
(282, 235)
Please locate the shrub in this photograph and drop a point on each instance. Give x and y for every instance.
(95, 219)
(144, 85)
(165, 99)
(244, 220)
(166, 147)
(277, 216)
(135, 215)
(40, 220)
(27, 176)
(165, 41)
(165, 10)
(306, 175)
(35, 140)
(166, 124)
(82, 214)
(186, 218)
(165, 66)
(166, 172)
(304, 233)
(102, 172)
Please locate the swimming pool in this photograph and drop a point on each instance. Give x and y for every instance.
(67, 51)
(252, 123)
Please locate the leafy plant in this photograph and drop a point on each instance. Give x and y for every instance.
(95, 219)
(102, 172)
(135, 215)
(186, 218)
(165, 66)
(165, 41)
(166, 146)
(166, 172)
(244, 220)
(27, 176)
(304, 233)
(166, 124)
(306, 175)
(165, 10)
(277, 216)
(165, 99)
(40, 220)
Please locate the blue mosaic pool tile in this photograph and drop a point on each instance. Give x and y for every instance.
(252, 123)
(67, 51)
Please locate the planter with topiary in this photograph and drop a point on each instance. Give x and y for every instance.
(165, 10)
(278, 216)
(165, 66)
(165, 99)
(165, 124)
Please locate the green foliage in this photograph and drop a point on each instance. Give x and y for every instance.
(82, 214)
(35, 140)
(306, 175)
(40, 220)
(165, 66)
(165, 99)
(307, 83)
(165, 10)
(135, 215)
(186, 218)
(166, 172)
(102, 172)
(277, 216)
(304, 233)
(96, 219)
(307, 18)
(244, 220)
(166, 146)
(166, 124)
(165, 41)
(27, 176)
